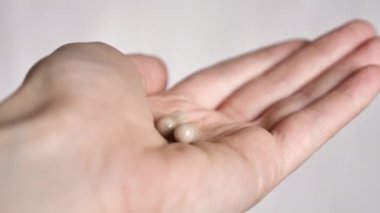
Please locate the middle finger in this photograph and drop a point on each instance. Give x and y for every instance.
(283, 80)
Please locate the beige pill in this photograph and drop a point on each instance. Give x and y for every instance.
(166, 124)
(186, 133)
(178, 116)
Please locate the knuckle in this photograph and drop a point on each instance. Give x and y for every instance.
(69, 46)
(91, 64)
(75, 46)
(102, 46)
(70, 58)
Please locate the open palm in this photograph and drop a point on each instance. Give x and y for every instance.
(264, 113)
(260, 115)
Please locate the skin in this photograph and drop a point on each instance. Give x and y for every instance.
(79, 135)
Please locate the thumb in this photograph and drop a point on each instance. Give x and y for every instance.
(153, 72)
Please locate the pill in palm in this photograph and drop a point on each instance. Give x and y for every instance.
(166, 124)
(186, 133)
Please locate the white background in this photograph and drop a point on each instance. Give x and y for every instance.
(344, 176)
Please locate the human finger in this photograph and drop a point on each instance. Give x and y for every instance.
(303, 132)
(286, 78)
(368, 54)
(153, 71)
(210, 86)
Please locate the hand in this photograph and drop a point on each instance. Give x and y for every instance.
(79, 135)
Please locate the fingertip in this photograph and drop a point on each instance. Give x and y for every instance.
(361, 26)
(153, 71)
